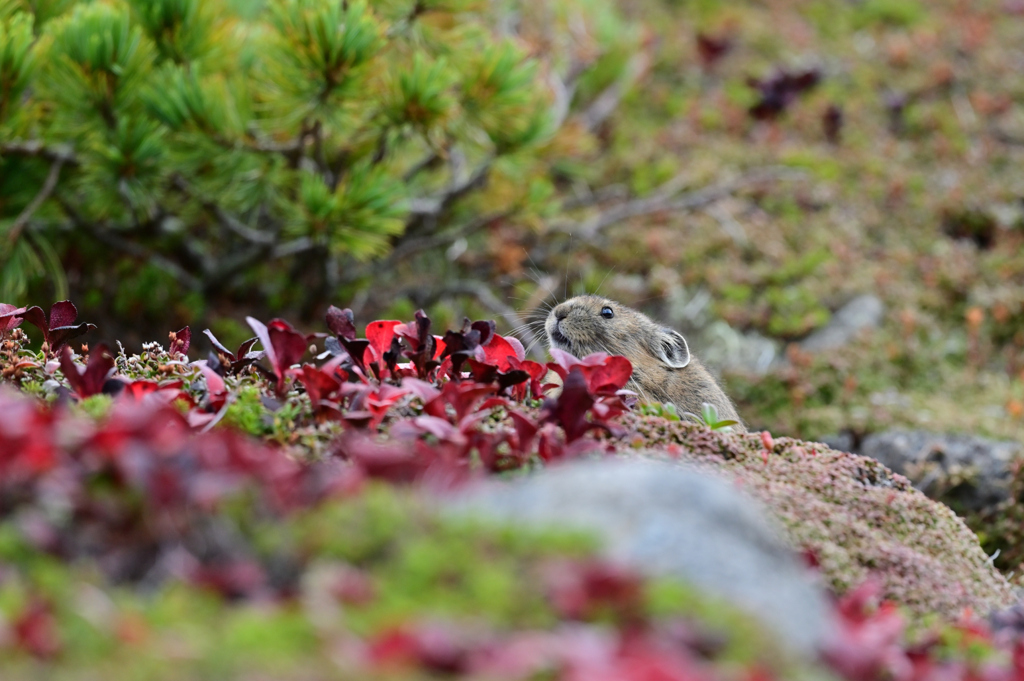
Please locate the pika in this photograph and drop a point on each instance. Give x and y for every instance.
(663, 368)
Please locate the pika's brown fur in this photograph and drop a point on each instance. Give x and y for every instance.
(663, 368)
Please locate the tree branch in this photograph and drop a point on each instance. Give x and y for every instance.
(45, 192)
(225, 218)
(661, 202)
(107, 237)
(426, 209)
(61, 152)
(424, 163)
(406, 248)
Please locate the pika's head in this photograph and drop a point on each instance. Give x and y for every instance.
(588, 324)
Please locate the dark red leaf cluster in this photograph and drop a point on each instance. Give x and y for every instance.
(140, 483)
(583, 590)
(871, 643)
(226, 362)
(60, 328)
(470, 373)
(711, 49)
(778, 91)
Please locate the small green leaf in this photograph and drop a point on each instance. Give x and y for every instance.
(709, 413)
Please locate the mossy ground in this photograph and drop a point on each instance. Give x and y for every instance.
(920, 206)
(857, 518)
(373, 564)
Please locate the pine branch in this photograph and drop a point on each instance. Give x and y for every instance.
(229, 221)
(232, 265)
(61, 152)
(40, 198)
(424, 210)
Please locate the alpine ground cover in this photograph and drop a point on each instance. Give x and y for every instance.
(260, 511)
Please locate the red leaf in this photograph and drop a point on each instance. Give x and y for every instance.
(341, 323)
(464, 396)
(59, 329)
(283, 346)
(571, 407)
(63, 313)
(88, 381)
(536, 370)
(434, 649)
(35, 630)
(180, 341)
(319, 385)
(422, 390)
(392, 461)
(169, 391)
(235, 579)
(379, 334)
(220, 346)
(10, 317)
(499, 350)
(216, 390)
(289, 344)
(611, 376)
(526, 430)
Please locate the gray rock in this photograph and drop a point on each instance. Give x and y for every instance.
(964, 471)
(863, 312)
(669, 520)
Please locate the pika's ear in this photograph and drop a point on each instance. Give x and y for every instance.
(671, 348)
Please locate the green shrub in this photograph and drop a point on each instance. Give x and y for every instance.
(212, 150)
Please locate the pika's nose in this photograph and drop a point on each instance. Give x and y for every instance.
(561, 312)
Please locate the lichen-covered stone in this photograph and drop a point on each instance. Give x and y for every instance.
(858, 518)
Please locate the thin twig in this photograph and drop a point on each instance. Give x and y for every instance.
(606, 102)
(1005, 137)
(563, 94)
(586, 197)
(659, 202)
(44, 193)
(424, 163)
(406, 248)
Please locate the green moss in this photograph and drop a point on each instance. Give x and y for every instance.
(823, 166)
(420, 567)
(896, 13)
(97, 406)
(247, 413)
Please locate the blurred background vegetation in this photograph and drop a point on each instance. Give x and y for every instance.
(740, 170)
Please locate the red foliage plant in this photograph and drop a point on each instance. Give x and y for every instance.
(142, 483)
(60, 328)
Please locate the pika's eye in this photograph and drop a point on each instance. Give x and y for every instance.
(607, 312)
